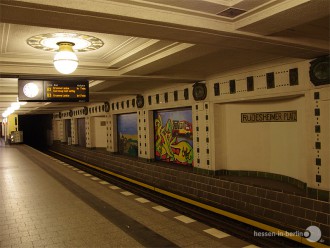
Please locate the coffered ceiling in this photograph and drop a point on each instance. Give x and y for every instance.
(155, 43)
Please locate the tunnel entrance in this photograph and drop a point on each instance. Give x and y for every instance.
(36, 129)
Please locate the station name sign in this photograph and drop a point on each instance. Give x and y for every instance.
(279, 116)
(53, 91)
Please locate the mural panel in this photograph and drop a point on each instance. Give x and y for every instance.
(127, 134)
(174, 136)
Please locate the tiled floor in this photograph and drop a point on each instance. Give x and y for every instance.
(37, 210)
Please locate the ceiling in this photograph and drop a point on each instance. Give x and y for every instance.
(155, 43)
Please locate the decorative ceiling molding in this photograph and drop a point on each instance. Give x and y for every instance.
(48, 42)
(171, 49)
(133, 51)
(153, 43)
(130, 40)
(5, 37)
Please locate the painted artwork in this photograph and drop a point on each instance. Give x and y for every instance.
(127, 134)
(174, 136)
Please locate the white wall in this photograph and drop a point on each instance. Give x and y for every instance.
(99, 132)
(221, 141)
(57, 129)
(275, 147)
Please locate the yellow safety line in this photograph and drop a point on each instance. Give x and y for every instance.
(204, 206)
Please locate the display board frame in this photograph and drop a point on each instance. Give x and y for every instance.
(38, 90)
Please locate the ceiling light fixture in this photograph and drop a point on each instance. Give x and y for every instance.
(65, 61)
(66, 45)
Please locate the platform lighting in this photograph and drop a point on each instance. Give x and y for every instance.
(10, 110)
(6, 113)
(15, 105)
(20, 103)
(65, 61)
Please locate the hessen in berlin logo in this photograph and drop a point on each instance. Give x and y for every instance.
(312, 234)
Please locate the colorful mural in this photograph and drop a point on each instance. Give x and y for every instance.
(127, 134)
(173, 136)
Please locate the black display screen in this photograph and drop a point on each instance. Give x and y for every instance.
(53, 91)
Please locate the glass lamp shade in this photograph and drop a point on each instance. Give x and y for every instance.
(65, 61)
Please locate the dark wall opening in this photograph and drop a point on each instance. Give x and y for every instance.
(36, 130)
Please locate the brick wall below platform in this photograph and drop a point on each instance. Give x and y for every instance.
(286, 211)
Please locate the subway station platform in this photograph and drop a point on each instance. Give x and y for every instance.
(48, 203)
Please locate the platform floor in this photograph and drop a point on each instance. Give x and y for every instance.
(45, 202)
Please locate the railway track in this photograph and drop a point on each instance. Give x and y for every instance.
(230, 226)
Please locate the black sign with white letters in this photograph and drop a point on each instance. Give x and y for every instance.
(279, 116)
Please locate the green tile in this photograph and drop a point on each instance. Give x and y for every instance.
(277, 177)
(312, 193)
(269, 175)
(243, 173)
(261, 174)
(291, 180)
(253, 173)
(234, 173)
(220, 172)
(286, 179)
(323, 195)
(203, 171)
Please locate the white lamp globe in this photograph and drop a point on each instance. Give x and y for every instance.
(65, 61)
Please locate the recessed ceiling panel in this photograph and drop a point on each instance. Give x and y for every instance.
(250, 4)
(195, 5)
(150, 50)
(127, 46)
(19, 34)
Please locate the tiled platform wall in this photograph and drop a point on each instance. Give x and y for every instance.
(290, 212)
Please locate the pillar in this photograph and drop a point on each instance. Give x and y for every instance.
(203, 137)
(74, 132)
(146, 134)
(61, 131)
(112, 145)
(320, 142)
(88, 132)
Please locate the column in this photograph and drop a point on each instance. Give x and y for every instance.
(112, 145)
(74, 131)
(61, 130)
(203, 138)
(88, 132)
(146, 134)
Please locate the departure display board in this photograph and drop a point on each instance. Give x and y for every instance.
(53, 91)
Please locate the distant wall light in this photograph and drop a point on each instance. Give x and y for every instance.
(10, 110)
(15, 105)
(65, 61)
